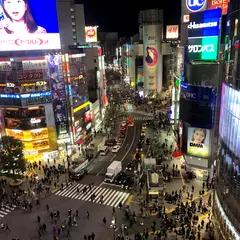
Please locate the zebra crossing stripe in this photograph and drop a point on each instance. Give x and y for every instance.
(5, 210)
(105, 202)
(111, 197)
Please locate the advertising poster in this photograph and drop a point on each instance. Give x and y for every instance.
(152, 65)
(198, 143)
(28, 25)
(91, 34)
(58, 93)
(172, 32)
(140, 77)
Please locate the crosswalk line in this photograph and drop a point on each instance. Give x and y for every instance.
(5, 210)
(102, 193)
(106, 201)
(116, 199)
(90, 192)
(111, 197)
(79, 192)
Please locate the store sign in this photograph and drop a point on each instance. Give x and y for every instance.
(30, 76)
(203, 48)
(172, 32)
(186, 18)
(205, 24)
(91, 34)
(198, 142)
(195, 5)
(35, 120)
(190, 6)
(36, 32)
(223, 4)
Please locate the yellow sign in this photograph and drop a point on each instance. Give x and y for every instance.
(81, 107)
(28, 135)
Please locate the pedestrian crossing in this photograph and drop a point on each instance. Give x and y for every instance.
(111, 197)
(5, 210)
(140, 118)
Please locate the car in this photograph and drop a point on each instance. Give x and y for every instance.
(144, 126)
(110, 142)
(127, 182)
(139, 146)
(115, 149)
(143, 132)
(131, 166)
(122, 129)
(79, 175)
(120, 178)
(122, 135)
(123, 124)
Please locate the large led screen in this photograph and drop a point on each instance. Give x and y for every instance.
(229, 129)
(28, 25)
(198, 143)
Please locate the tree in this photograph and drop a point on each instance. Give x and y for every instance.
(114, 110)
(11, 156)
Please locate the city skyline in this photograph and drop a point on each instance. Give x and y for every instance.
(108, 21)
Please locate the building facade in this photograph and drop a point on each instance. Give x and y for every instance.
(227, 181)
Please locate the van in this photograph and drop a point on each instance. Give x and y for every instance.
(104, 150)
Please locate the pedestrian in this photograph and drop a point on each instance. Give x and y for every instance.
(68, 233)
(93, 236)
(89, 237)
(7, 228)
(85, 237)
(47, 207)
(104, 220)
(87, 215)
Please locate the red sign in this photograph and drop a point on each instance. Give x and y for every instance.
(88, 116)
(30, 76)
(219, 4)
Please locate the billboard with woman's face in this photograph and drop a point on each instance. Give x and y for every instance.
(28, 25)
(198, 143)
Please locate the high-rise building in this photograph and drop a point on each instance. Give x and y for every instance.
(152, 22)
(227, 182)
(71, 22)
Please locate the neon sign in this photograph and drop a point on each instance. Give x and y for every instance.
(201, 48)
(24, 96)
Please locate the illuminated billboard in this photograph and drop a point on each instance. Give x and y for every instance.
(203, 49)
(203, 35)
(28, 25)
(172, 32)
(223, 4)
(198, 142)
(91, 34)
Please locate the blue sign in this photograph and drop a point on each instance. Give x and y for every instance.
(27, 95)
(205, 24)
(195, 5)
(198, 93)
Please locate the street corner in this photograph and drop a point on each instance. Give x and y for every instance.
(130, 200)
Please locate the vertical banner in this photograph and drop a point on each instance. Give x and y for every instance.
(152, 62)
(55, 66)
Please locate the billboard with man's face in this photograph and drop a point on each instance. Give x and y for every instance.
(28, 25)
(198, 143)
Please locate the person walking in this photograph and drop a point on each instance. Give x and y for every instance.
(104, 220)
(87, 215)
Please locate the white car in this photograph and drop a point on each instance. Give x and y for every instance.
(115, 149)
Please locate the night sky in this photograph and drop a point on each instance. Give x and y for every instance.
(122, 15)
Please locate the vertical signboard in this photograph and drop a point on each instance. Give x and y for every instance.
(91, 34)
(55, 66)
(152, 62)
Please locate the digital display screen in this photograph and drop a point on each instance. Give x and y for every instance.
(28, 25)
